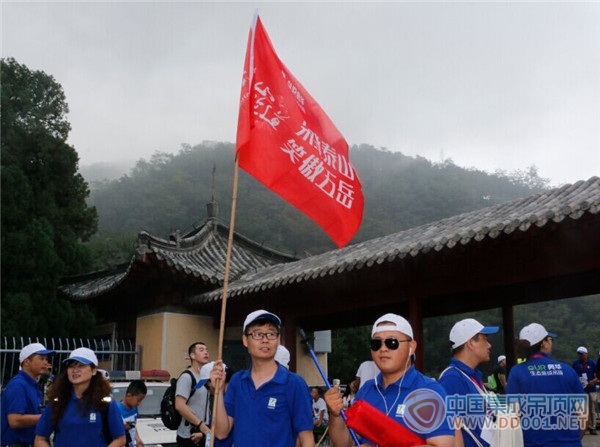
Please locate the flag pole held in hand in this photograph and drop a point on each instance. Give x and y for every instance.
(306, 342)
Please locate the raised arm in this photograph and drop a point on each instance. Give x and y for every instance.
(222, 423)
(338, 432)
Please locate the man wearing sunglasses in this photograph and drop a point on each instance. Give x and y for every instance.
(470, 347)
(392, 346)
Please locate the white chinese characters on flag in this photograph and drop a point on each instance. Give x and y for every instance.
(286, 141)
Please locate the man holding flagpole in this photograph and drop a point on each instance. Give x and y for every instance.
(287, 142)
(266, 405)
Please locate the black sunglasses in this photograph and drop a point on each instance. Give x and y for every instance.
(390, 343)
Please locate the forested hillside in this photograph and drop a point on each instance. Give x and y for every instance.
(169, 192)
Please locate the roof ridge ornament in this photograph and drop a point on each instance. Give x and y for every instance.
(212, 207)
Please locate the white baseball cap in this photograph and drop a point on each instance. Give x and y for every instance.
(83, 355)
(534, 333)
(468, 328)
(582, 350)
(205, 373)
(282, 356)
(261, 315)
(393, 323)
(501, 358)
(33, 348)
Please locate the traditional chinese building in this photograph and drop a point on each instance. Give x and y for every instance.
(146, 299)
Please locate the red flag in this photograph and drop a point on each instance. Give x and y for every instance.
(374, 425)
(287, 142)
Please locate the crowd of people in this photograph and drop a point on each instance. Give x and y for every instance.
(267, 404)
(79, 410)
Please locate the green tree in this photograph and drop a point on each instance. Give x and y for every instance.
(45, 216)
(349, 348)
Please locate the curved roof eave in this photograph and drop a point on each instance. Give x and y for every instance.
(200, 254)
(571, 201)
(92, 285)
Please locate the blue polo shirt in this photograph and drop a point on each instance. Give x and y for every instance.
(21, 396)
(390, 402)
(455, 383)
(75, 426)
(128, 414)
(271, 415)
(589, 369)
(542, 375)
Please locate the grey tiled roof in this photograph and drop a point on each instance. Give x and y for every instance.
(200, 254)
(94, 284)
(567, 202)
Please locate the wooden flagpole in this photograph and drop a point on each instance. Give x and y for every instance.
(225, 287)
(233, 208)
(228, 259)
(230, 239)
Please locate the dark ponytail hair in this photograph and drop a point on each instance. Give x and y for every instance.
(525, 350)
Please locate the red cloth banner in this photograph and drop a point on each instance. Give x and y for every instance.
(287, 142)
(370, 423)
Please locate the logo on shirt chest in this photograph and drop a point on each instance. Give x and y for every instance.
(400, 409)
(93, 417)
(272, 403)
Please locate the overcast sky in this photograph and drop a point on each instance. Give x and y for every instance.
(488, 85)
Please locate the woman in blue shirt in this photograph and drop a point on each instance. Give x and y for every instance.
(81, 411)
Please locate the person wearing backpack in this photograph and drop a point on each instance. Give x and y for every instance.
(191, 403)
(81, 411)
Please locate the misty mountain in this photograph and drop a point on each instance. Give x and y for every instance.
(169, 192)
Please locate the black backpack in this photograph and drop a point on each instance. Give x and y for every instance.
(168, 414)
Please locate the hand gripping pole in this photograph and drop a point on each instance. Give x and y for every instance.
(306, 342)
